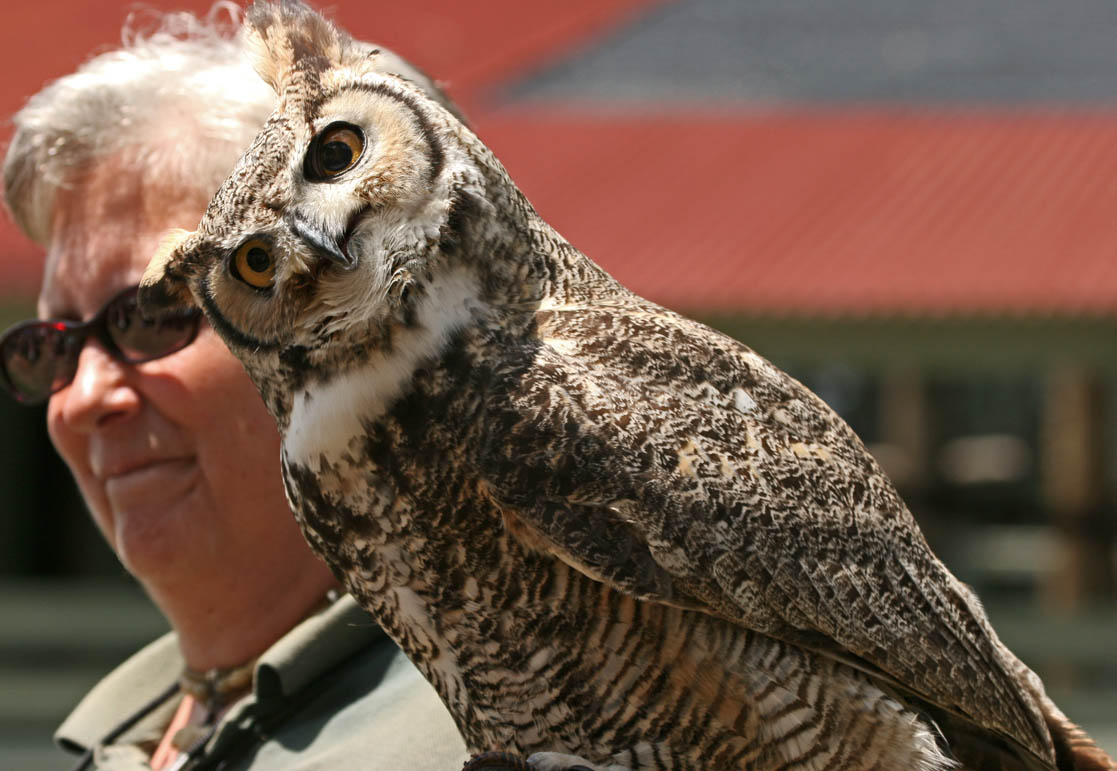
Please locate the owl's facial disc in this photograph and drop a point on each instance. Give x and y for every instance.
(331, 152)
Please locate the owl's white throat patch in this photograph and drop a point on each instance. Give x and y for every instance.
(329, 414)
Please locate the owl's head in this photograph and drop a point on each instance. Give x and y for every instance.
(336, 223)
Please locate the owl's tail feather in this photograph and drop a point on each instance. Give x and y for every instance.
(1074, 749)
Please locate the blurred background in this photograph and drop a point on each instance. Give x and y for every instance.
(910, 206)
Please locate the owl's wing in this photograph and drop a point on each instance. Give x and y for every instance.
(673, 463)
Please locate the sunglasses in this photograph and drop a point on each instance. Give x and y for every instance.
(39, 358)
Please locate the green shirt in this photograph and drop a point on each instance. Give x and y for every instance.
(333, 693)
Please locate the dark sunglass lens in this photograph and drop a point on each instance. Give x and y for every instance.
(38, 360)
(140, 339)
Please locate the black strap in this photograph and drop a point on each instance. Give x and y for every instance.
(260, 725)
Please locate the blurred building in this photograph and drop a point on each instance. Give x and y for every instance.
(910, 206)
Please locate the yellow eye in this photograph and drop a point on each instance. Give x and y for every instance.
(335, 150)
(253, 263)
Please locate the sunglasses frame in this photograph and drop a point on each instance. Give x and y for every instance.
(97, 326)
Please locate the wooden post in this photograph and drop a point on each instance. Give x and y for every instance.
(903, 417)
(1072, 478)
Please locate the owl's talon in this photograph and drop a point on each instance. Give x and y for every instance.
(540, 761)
(557, 761)
(496, 761)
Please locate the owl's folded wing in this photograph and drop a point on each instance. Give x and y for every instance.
(737, 492)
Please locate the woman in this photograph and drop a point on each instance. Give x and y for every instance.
(172, 449)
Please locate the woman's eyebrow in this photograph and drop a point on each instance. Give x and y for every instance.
(62, 313)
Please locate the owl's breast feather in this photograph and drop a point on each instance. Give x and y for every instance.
(325, 418)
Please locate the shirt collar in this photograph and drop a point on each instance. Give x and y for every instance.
(314, 646)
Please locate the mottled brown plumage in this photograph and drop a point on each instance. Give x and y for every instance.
(607, 534)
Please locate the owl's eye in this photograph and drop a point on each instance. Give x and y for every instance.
(253, 263)
(336, 149)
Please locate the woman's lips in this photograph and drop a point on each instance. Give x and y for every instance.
(150, 481)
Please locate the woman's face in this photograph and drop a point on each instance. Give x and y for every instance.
(177, 458)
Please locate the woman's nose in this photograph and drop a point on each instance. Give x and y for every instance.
(99, 392)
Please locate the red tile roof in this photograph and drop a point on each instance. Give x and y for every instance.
(836, 212)
(849, 211)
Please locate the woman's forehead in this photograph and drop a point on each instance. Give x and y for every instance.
(76, 287)
(102, 234)
(87, 262)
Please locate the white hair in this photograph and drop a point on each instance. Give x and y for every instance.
(181, 102)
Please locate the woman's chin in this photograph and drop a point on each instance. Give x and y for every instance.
(159, 519)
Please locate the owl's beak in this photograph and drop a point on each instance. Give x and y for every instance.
(326, 244)
(161, 288)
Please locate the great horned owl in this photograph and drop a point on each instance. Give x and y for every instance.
(608, 535)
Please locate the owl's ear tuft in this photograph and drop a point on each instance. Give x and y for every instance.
(162, 286)
(288, 36)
